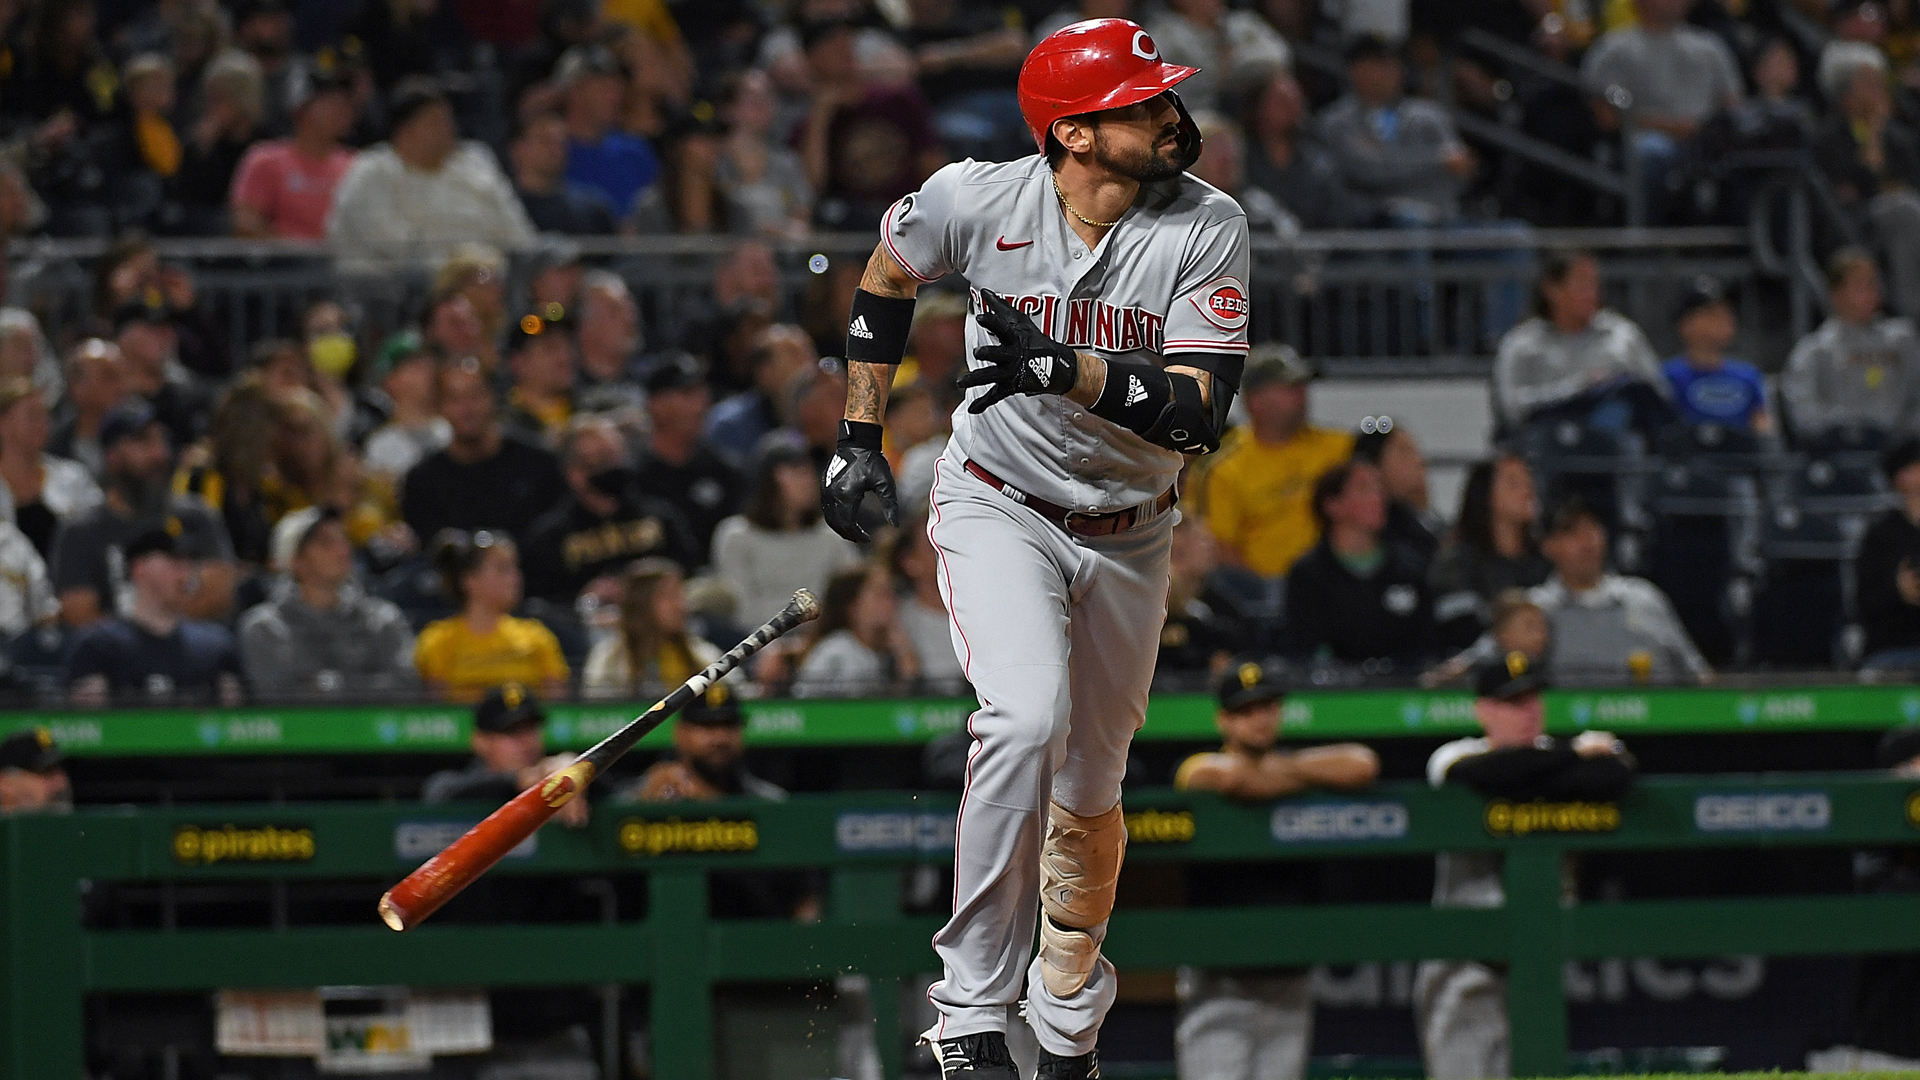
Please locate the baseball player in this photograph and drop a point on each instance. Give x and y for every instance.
(1110, 304)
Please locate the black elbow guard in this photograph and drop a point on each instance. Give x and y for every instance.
(1166, 410)
(877, 328)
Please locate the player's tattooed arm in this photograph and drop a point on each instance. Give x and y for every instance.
(885, 277)
(867, 386)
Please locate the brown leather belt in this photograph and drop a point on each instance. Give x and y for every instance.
(1079, 522)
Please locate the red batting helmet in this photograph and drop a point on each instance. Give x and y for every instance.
(1094, 65)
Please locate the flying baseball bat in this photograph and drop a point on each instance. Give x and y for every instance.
(421, 893)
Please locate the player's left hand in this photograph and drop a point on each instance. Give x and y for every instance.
(1024, 361)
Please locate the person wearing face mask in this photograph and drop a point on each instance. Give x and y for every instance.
(332, 352)
(604, 522)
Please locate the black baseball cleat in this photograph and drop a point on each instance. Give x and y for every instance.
(975, 1057)
(1078, 1067)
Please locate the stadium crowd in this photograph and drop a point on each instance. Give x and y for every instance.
(524, 485)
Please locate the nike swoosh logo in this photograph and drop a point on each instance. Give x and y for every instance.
(1004, 246)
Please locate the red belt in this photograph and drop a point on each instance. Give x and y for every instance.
(1079, 522)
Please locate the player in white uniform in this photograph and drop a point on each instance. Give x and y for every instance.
(1111, 325)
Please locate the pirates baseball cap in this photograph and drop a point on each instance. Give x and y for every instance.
(1247, 681)
(1275, 363)
(32, 749)
(718, 707)
(1511, 677)
(507, 706)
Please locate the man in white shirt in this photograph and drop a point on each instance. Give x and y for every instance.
(1608, 628)
(425, 190)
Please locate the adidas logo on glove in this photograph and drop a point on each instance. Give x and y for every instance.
(859, 328)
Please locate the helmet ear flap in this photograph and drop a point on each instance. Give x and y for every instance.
(1189, 132)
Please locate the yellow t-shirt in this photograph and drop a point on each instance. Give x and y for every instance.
(470, 664)
(1258, 499)
(1183, 776)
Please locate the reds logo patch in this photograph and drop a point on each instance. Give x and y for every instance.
(1224, 303)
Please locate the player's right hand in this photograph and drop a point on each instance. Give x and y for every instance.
(1026, 360)
(858, 466)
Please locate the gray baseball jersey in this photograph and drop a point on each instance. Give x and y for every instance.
(1057, 632)
(1169, 278)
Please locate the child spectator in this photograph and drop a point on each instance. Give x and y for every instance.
(859, 648)
(406, 373)
(653, 627)
(1708, 386)
(484, 645)
(780, 543)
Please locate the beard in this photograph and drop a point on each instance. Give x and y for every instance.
(1141, 165)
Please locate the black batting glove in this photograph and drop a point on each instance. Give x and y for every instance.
(1024, 361)
(857, 467)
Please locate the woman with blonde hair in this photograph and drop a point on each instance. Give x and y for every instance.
(653, 628)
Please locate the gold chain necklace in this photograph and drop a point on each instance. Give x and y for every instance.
(1084, 219)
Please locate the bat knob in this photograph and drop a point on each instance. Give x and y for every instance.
(804, 602)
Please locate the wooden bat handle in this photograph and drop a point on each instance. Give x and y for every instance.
(440, 878)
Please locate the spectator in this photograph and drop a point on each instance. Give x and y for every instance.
(477, 271)
(33, 774)
(1608, 628)
(1203, 626)
(285, 187)
(484, 645)
(147, 151)
(26, 354)
(1860, 370)
(424, 188)
(966, 57)
(866, 143)
(1516, 625)
(604, 522)
(1401, 151)
(38, 491)
(736, 426)
(708, 757)
(763, 183)
(653, 627)
(130, 277)
(1887, 570)
(1254, 1024)
(331, 351)
(722, 327)
(779, 544)
(1358, 596)
(1575, 359)
(482, 479)
(859, 648)
(1223, 166)
(1708, 386)
(1411, 520)
(676, 463)
(1460, 1006)
(509, 738)
(407, 377)
(1257, 494)
(454, 331)
(555, 203)
(540, 360)
(815, 399)
(148, 343)
(1235, 49)
(155, 652)
(916, 435)
(96, 383)
(1494, 549)
(268, 455)
(599, 155)
(609, 344)
(320, 633)
(26, 592)
(1873, 161)
(228, 124)
(923, 609)
(1669, 77)
(90, 566)
(937, 345)
(1286, 161)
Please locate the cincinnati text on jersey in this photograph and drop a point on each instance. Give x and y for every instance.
(1094, 324)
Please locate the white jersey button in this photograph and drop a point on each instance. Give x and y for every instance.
(1076, 254)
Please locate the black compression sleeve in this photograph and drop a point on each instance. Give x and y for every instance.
(878, 327)
(1135, 395)
(1222, 366)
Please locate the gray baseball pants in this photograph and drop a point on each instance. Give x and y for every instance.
(1059, 635)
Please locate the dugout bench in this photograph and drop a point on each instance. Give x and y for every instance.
(51, 962)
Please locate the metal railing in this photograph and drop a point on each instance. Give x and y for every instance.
(52, 959)
(1414, 302)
